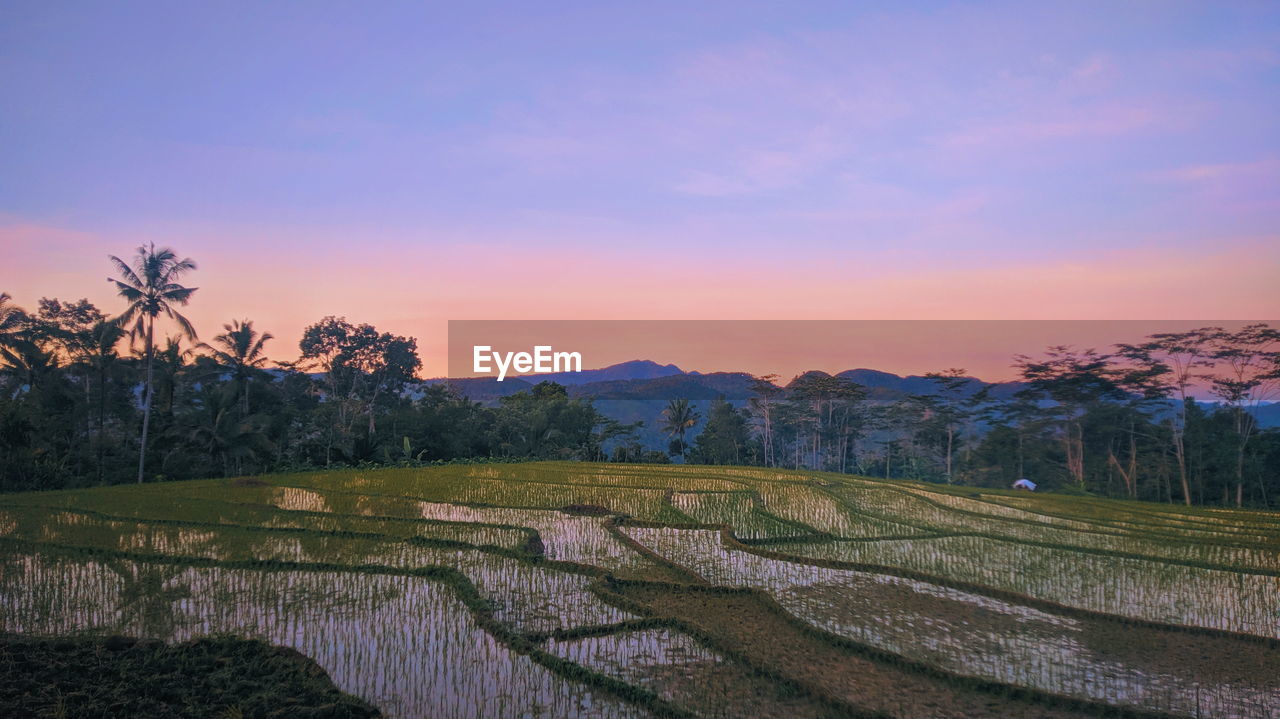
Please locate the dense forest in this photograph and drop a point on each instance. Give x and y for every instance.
(93, 395)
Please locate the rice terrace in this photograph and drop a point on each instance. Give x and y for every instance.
(567, 589)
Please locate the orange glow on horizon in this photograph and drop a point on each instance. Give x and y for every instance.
(414, 290)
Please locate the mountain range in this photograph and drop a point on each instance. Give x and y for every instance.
(639, 390)
(648, 380)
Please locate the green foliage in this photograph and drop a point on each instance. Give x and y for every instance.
(545, 423)
(726, 437)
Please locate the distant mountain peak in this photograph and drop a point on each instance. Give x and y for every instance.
(631, 369)
(643, 364)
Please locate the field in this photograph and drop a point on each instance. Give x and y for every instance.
(601, 590)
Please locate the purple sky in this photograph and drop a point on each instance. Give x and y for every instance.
(409, 163)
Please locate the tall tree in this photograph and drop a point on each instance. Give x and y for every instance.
(150, 287)
(80, 333)
(762, 406)
(1072, 381)
(822, 394)
(725, 437)
(381, 365)
(321, 345)
(951, 387)
(170, 362)
(239, 349)
(1173, 361)
(1249, 374)
(362, 368)
(678, 418)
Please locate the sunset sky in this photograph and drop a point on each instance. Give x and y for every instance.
(408, 164)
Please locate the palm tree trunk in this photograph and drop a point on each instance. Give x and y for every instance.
(146, 404)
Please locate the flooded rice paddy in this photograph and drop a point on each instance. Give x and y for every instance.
(490, 590)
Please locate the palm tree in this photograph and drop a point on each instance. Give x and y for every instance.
(241, 352)
(234, 440)
(12, 318)
(29, 364)
(170, 362)
(150, 286)
(13, 343)
(678, 418)
(148, 594)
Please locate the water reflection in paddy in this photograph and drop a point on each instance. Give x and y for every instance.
(529, 597)
(406, 644)
(965, 633)
(1137, 588)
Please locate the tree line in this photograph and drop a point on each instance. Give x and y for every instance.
(1121, 423)
(94, 395)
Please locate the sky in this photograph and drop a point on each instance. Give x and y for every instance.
(787, 348)
(407, 164)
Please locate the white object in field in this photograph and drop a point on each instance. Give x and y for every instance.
(1026, 484)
